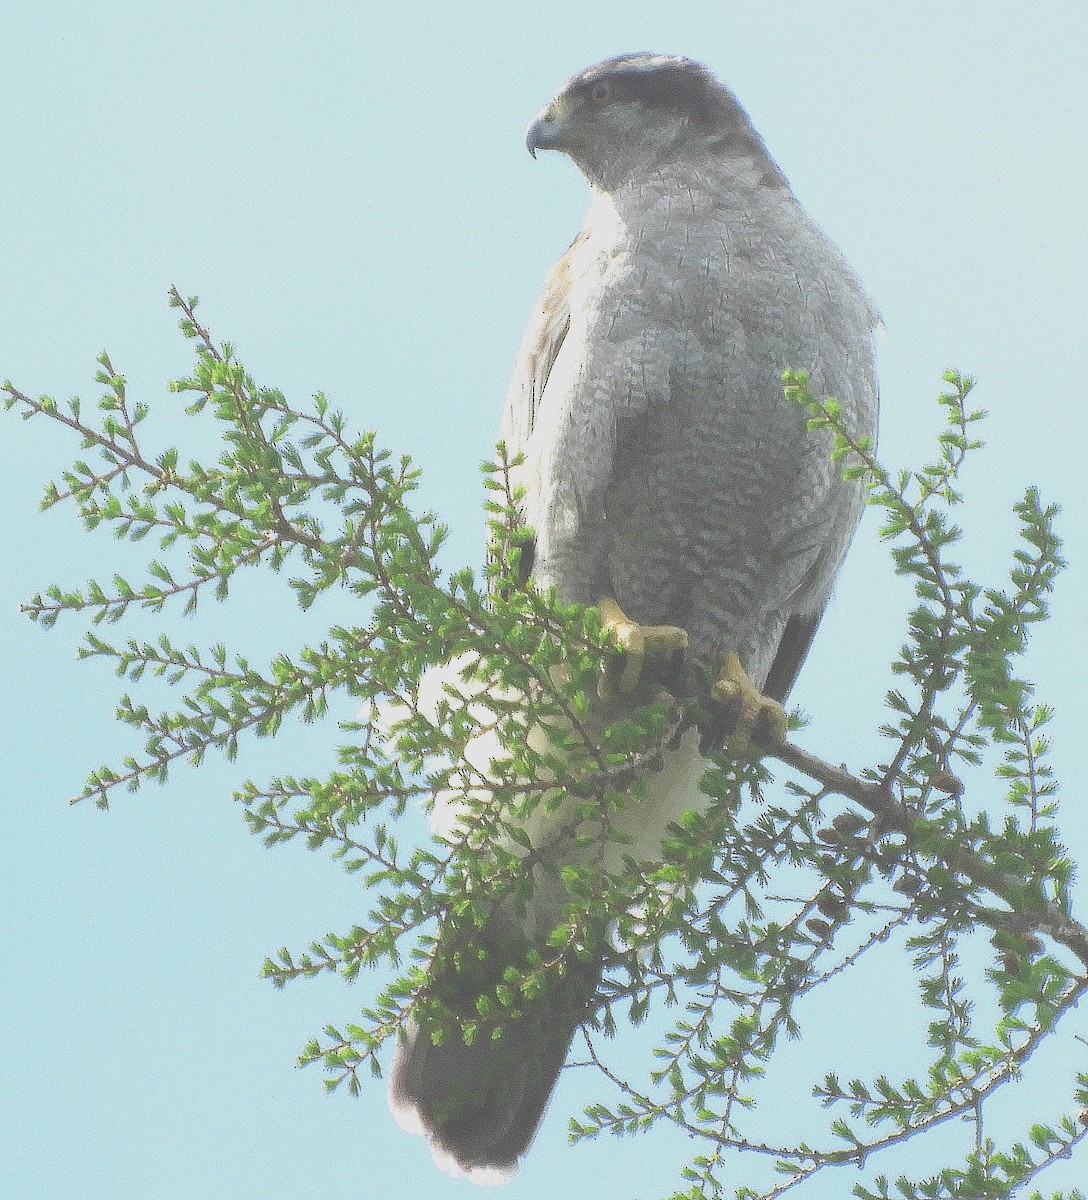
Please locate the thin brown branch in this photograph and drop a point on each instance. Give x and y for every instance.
(892, 814)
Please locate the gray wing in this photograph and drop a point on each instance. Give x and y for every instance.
(624, 454)
(793, 648)
(540, 346)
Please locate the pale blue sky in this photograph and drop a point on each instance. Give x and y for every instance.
(349, 194)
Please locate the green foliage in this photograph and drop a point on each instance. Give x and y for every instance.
(758, 905)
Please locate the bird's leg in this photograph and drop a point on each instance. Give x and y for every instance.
(634, 641)
(733, 687)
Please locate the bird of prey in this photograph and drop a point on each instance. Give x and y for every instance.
(667, 479)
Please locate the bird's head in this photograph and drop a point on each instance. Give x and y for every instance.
(640, 112)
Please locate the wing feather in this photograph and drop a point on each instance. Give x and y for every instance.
(790, 656)
(544, 336)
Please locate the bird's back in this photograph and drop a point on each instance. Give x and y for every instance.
(664, 465)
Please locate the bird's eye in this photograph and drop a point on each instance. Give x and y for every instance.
(602, 92)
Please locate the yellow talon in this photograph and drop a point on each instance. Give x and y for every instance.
(735, 688)
(634, 641)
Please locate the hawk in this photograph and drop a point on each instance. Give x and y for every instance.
(667, 479)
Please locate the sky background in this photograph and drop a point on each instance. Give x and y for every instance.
(348, 192)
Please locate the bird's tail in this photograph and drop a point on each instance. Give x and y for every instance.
(480, 1104)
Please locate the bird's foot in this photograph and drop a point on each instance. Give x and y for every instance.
(755, 712)
(635, 641)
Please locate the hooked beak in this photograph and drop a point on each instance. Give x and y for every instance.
(543, 134)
